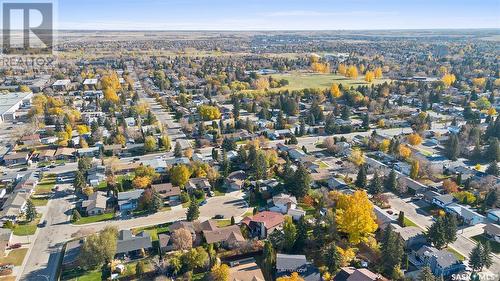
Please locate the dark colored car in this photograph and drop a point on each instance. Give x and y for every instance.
(218, 217)
(43, 223)
(15, 246)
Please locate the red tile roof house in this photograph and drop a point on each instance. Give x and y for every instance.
(264, 223)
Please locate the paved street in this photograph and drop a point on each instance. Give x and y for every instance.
(463, 244)
(44, 256)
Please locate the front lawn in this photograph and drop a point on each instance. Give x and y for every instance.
(119, 179)
(26, 228)
(96, 218)
(153, 230)
(495, 246)
(223, 223)
(408, 222)
(40, 200)
(455, 253)
(14, 257)
(82, 275)
(46, 184)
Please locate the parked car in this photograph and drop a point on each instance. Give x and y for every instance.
(15, 246)
(218, 217)
(43, 223)
(203, 202)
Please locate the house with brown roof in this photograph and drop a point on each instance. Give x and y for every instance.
(95, 204)
(229, 236)
(264, 223)
(170, 194)
(361, 274)
(46, 155)
(492, 231)
(30, 140)
(16, 158)
(65, 153)
(245, 270)
(236, 180)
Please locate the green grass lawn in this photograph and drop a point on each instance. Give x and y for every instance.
(104, 185)
(408, 222)
(82, 275)
(15, 257)
(40, 201)
(305, 80)
(495, 246)
(46, 184)
(309, 210)
(153, 230)
(97, 218)
(26, 228)
(223, 223)
(455, 253)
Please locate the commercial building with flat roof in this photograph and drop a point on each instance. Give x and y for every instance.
(11, 102)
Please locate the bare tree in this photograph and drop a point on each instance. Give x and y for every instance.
(182, 239)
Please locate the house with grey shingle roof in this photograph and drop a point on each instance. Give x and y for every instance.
(130, 245)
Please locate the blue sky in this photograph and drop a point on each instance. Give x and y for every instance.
(277, 14)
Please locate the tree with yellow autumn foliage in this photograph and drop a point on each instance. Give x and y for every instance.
(335, 91)
(357, 157)
(261, 83)
(293, 277)
(491, 111)
(208, 112)
(355, 216)
(352, 72)
(448, 79)
(384, 145)
(479, 82)
(320, 67)
(341, 69)
(414, 139)
(110, 95)
(369, 76)
(378, 72)
(404, 151)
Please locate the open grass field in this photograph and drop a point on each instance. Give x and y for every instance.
(305, 80)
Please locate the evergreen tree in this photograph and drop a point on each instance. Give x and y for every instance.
(269, 259)
(361, 177)
(75, 216)
(391, 181)
(436, 233)
(476, 260)
(486, 255)
(30, 210)
(452, 147)
(293, 140)
(391, 249)
(401, 219)
(491, 198)
(300, 182)
(215, 154)
(302, 130)
(193, 211)
(426, 274)
(332, 258)
(259, 167)
(302, 230)
(494, 150)
(376, 186)
(450, 228)
(366, 122)
(80, 182)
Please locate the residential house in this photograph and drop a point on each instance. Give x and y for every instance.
(129, 245)
(158, 164)
(14, 206)
(46, 155)
(443, 200)
(336, 183)
(287, 264)
(468, 215)
(263, 223)
(357, 274)
(383, 218)
(492, 231)
(236, 180)
(96, 175)
(245, 269)
(198, 184)
(171, 195)
(95, 204)
(229, 236)
(494, 215)
(5, 238)
(283, 202)
(16, 158)
(27, 183)
(128, 200)
(166, 244)
(65, 153)
(412, 236)
(88, 152)
(61, 85)
(31, 140)
(71, 254)
(441, 262)
(193, 227)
